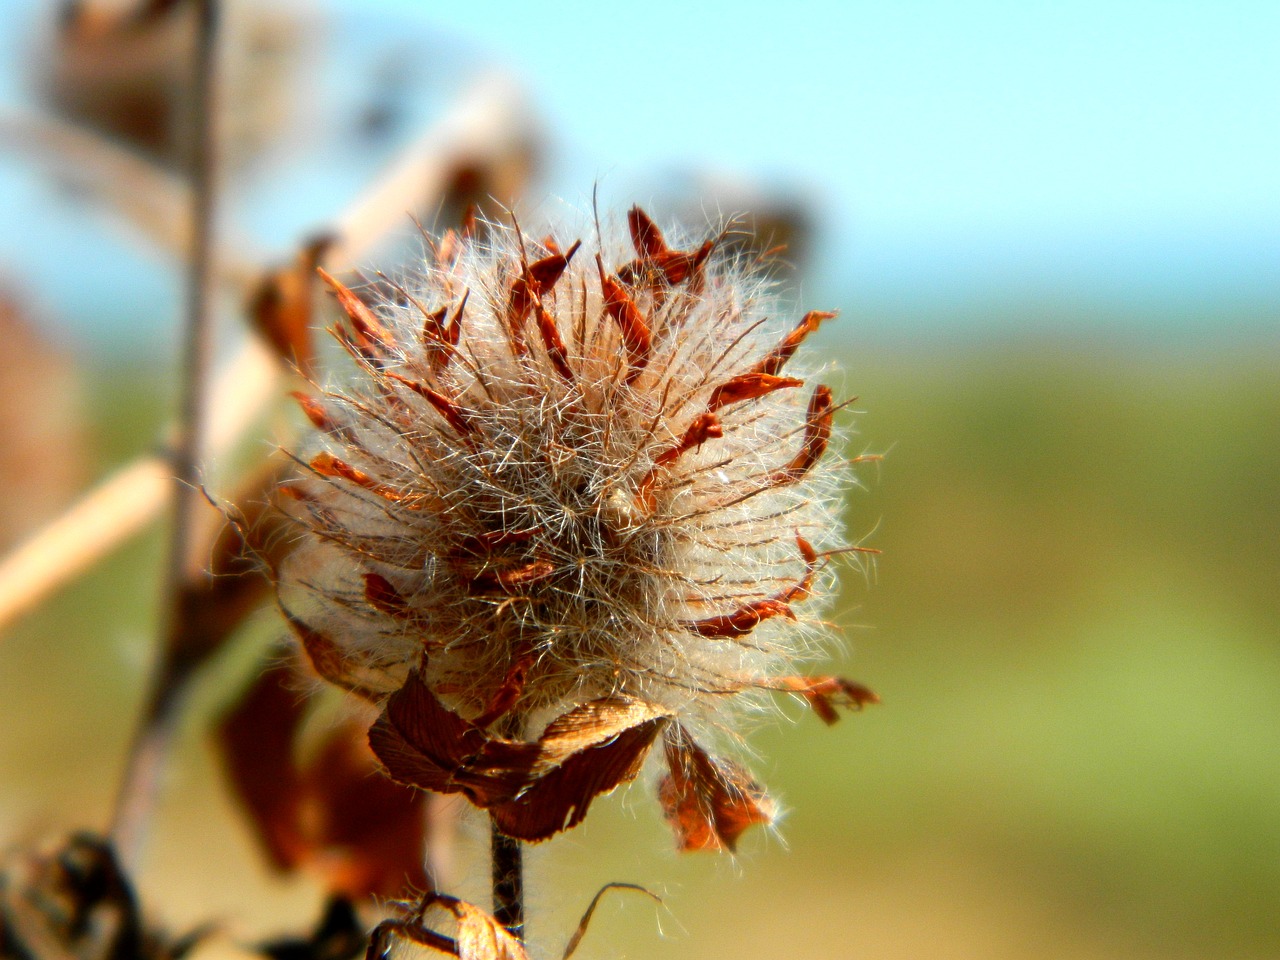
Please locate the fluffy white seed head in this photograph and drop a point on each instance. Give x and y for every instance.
(564, 473)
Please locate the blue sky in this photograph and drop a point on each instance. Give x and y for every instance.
(1116, 152)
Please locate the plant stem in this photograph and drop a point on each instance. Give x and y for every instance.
(508, 880)
(178, 660)
(507, 857)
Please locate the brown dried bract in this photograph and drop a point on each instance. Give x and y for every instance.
(372, 339)
(708, 802)
(817, 434)
(749, 386)
(656, 262)
(824, 694)
(362, 833)
(810, 322)
(750, 615)
(636, 335)
(527, 290)
(533, 790)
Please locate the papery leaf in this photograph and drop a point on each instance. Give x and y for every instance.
(601, 757)
(363, 833)
(708, 802)
(423, 743)
(281, 306)
(256, 743)
(824, 694)
(533, 790)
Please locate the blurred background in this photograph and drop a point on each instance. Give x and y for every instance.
(1053, 232)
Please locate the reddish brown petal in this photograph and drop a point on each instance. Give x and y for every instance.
(810, 322)
(708, 802)
(423, 743)
(328, 659)
(824, 694)
(314, 410)
(645, 235)
(750, 615)
(255, 741)
(748, 386)
(545, 273)
(705, 426)
(371, 335)
(817, 433)
(559, 800)
(631, 322)
(327, 465)
(551, 339)
(743, 620)
(527, 290)
(457, 417)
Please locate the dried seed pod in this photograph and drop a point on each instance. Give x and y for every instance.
(608, 495)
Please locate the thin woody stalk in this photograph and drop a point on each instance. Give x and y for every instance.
(506, 855)
(178, 659)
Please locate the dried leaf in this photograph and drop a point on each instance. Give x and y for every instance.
(533, 790)
(558, 800)
(824, 694)
(256, 741)
(281, 307)
(708, 802)
(363, 833)
(423, 743)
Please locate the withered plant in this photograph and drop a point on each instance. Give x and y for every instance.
(570, 502)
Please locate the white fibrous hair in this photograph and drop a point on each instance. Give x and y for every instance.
(566, 475)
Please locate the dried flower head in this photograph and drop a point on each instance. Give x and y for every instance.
(575, 500)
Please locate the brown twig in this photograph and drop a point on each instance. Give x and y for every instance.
(506, 856)
(178, 659)
(482, 125)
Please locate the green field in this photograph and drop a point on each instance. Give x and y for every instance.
(1075, 628)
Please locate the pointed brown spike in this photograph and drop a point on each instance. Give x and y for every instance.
(453, 332)
(433, 326)
(705, 426)
(454, 415)
(327, 465)
(824, 694)
(748, 386)
(709, 803)
(551, 339)
(750, 615)
(777, 357)
(315, 411)
(645, 235)
(636, 336)
(545, 273)
(369, 329)
(817, 434)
